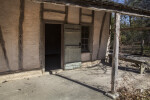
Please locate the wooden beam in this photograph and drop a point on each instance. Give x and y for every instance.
(142, 46)
(66, 16)
(20, 40)
(80, 16)
(57, 11)
(92, 35)
(133, 28)
(131, 60)
(115, 55)
(3, 46)
(101, 6)
(87, 14)
(41, 40)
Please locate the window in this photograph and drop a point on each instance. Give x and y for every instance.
(85, 38)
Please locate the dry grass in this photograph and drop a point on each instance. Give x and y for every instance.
(138, 94)
(127, 90)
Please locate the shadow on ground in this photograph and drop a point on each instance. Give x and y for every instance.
(80, 83)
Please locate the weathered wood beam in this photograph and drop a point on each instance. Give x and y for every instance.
(90, 15)
(142, 46)
(66, 16)
(56, 11)
(80, 16)
(92, 35)
(20, 40)
(41, 40)
(3, 46)
(115, 55)
(101, 6)
(133, 28)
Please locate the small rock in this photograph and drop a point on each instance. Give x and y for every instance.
(19, 89)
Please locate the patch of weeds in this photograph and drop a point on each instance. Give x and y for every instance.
(138, 94)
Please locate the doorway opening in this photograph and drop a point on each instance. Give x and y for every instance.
(52, 46)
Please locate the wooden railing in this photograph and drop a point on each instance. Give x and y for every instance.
(135, 48)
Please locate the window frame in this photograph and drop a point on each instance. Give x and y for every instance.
(89, 39)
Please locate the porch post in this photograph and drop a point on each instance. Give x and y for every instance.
(115, 55)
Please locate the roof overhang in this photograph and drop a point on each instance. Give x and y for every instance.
(101, 6)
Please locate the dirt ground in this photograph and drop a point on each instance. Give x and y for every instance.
(47, 87)
(86, 83)
(100, 77)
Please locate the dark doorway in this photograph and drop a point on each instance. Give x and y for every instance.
(52, 46)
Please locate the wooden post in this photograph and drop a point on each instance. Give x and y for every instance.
(115, 55)
(142, 46)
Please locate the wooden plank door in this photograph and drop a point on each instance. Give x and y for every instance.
(72, 46)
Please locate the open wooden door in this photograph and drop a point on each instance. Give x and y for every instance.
(72, 46)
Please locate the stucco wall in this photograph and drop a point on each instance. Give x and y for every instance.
(73, 15)
(86, 57)
(31, 33)
(98, 19)
(51, 15)
(9, 15)
(86, 11)
(9, 21)
(86, 15)
(105, 37)
(55, 7)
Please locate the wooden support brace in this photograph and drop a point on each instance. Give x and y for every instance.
(115, 55)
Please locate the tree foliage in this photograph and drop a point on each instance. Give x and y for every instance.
(129, 37)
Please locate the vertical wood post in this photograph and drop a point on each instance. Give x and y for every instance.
(115, 55)
(142, 46)
(41, 40)
(20, 40)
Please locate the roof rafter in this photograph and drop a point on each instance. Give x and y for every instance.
(102, 6)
